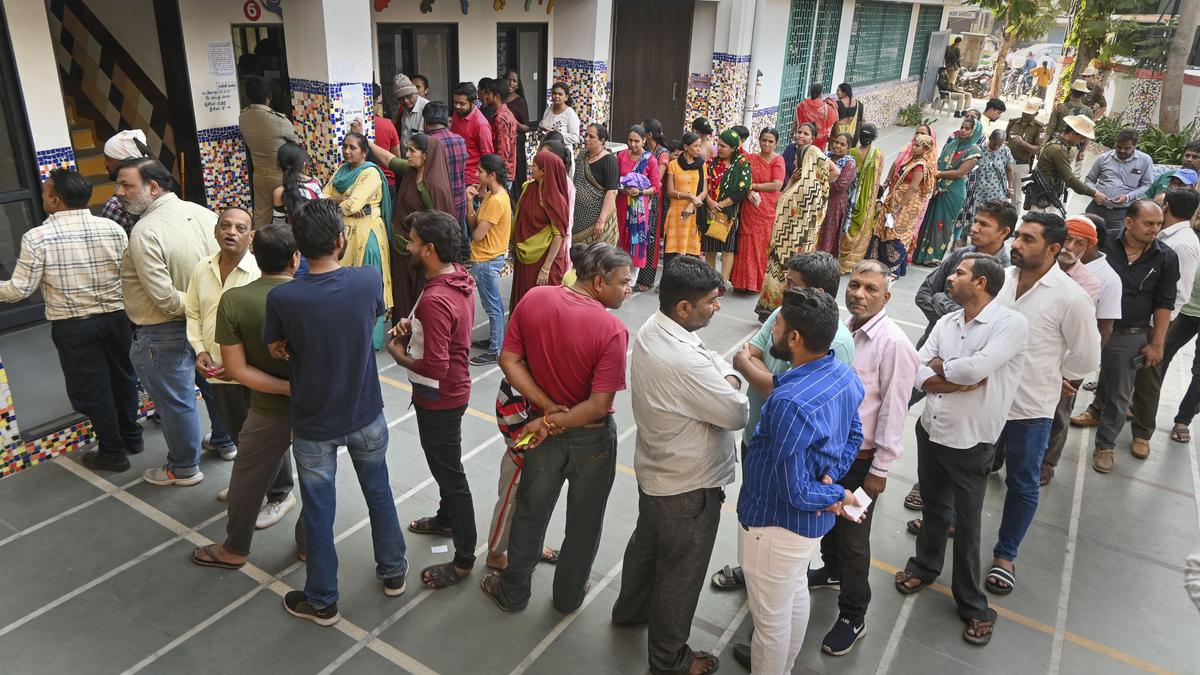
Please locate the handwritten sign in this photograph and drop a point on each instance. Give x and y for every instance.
(354, 106)
(221, 98)
(221, 63)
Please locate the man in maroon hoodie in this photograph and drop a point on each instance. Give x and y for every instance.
(434, 345)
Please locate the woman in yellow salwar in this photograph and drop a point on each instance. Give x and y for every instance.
(857, 236)
(360, 190)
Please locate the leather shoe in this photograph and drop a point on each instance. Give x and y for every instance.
(1102, 460)
(97, 462)
(1140, 448)
(1085, 419)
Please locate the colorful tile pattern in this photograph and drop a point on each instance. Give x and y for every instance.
(589, 86)
(697, 98)
(226, 168)
(727, 89)
(763, 118)
(318, 112)
(1141, 110)
(53, 159)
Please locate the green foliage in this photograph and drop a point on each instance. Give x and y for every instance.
(1023, 19)
(1165, 147)
(1107, 128)
(912, 115)
(1094, 24)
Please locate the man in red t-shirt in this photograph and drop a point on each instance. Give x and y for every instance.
(385, 132)
(504, 123)
(569, 378)
(469, 123)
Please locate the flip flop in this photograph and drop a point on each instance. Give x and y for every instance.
(551, 558)
(728, 578)
(1181, 434)
(979, 631)
(998, 575)
(212, 561)
(902, 579)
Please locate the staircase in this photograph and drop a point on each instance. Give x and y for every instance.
(89, 156)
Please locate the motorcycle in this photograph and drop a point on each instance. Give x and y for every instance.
(975, 82)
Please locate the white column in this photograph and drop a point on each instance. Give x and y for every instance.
(843, 43)
(908, 45)
(29, 32)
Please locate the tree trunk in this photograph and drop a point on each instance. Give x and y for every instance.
(1006, 46)
(1172, 84)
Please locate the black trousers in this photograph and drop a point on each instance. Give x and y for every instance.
(94, 353)
(953, 485)
(666, 562)
(441, 438)
(846, 551)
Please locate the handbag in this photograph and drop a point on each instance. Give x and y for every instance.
(719, 225)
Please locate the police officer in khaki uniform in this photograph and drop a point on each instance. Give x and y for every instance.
(1054, 165)
(1095, 96)
(264, 130)
(1024, 136)
(1074, 105)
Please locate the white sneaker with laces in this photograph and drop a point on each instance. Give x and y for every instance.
(273, 512)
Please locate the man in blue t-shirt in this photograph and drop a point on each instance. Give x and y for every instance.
(322, 324)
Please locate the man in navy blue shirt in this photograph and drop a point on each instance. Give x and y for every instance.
(807, 437)
(322, 323)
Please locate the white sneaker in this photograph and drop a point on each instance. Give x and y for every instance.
(228, 454)
(273, 512)
(223, 495)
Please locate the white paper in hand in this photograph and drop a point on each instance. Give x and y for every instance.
(856, 512)
(889, 222)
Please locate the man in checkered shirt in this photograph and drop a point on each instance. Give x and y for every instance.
(74, 258)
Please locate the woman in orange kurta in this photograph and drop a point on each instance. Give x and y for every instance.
(685, 191)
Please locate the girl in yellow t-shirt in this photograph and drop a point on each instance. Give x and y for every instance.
(490, 227)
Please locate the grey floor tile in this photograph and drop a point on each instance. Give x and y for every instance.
(29, 496)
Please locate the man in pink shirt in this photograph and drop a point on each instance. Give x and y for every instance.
(474, 128)
(887, 365)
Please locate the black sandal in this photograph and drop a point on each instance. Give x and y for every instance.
(914, 527)
(902, 579)
(488, 584)
(728, 578)
(997, 576)
(550, 558)
(429, 525)
(442, 575)
(210, 559)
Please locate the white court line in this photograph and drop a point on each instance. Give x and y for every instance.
(738, 618)
(1068, 569)
(893, 643)
(75, 509)
(566, 621)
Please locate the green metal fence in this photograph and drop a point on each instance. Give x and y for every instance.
(929, 20)
(877, 40)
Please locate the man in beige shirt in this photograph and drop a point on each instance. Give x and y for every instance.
(264, 130)
(164, 247)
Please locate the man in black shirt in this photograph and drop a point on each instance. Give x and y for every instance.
(1149, 271)
(952, 59)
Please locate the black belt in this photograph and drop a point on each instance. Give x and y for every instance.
(89, 316)
(1130, 330)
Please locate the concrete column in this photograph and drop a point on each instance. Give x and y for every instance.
(908, 45)
(29, 31)
(581, 48)
(843, 43)
(728, 82)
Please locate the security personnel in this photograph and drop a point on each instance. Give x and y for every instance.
(1024, 136)
(1095, 97)
(1054, 165)
(264, 130)
(1074, 105)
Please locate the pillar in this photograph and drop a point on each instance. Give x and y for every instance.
(330, 66)
(33, 48)
(582, 34)
(729, 80)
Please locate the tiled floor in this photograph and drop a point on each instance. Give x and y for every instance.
(97, 578)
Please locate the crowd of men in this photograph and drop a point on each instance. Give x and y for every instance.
(173, 296)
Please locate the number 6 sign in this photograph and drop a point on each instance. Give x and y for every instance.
(252, 10)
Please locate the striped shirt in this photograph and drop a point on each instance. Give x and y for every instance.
(75, 258)
(809, 428)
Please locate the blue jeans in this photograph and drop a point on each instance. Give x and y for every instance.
(221, 437)
(166, 366)
(1024, 443)
(317, 465)
(487, 282)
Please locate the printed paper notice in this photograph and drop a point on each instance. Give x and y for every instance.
(221, 63)
(354, 105)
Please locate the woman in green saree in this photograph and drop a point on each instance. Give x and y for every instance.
(957, 160)
(853, 245)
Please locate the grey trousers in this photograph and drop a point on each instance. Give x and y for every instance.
(1115, 388)
(261, 454)
(1058, 430)
(665, 565)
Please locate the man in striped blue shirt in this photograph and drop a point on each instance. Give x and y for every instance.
(808, 436)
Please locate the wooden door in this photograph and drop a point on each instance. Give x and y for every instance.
(651, 43)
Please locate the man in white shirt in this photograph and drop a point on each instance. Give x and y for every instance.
(971, 368)
(886, 364)
(1179, 206)
(688, 407)
(1063, 346)
(1080, 251)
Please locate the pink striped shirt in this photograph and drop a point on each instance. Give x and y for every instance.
(887, 364)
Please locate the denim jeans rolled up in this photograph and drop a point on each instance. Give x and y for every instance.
(317, 464)
(1024, 443)
(166, 366)
(487, 282)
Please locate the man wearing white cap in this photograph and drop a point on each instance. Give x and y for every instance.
(1095, 97)
(128, 144)
(1024, 134)
(1054, 165)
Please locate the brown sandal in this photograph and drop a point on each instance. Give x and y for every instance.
(979, 631)
(903, 577)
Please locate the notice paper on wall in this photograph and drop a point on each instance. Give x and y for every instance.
(221, 63)
(354, 106)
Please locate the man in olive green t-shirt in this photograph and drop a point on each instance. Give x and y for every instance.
(267, 433)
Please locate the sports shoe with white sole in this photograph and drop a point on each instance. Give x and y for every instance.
(273, 512)
(227, 453)
(223, 495)
(163, 475)
(296, 603)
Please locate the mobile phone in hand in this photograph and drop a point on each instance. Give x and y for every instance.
(1139, 361)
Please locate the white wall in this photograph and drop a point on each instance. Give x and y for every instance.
(704, 27)
(770, 43)
(843, 51)
(132, 23)
(205, 23)
(29, 32)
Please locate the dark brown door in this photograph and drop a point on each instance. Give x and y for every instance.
(652, 40)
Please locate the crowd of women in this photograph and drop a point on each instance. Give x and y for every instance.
(746, 211)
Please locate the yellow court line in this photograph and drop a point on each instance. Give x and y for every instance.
(1091, 645)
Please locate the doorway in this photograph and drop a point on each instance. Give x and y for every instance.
(650, 63)
(260, 50)
(522, 47)
(429, 49)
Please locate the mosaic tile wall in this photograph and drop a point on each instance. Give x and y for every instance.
(727, 89)
(318, 113)
(763, 118)
(53, 159)
(226, 169)
(589, 86)
(697, 98)
(1142, 106)
(883, 101)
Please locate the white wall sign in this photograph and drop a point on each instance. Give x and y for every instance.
(353, 105)
(221, 98)
(221, 63)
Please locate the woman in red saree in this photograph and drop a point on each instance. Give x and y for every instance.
(767, 174)
(541, 227)
(818, 112)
